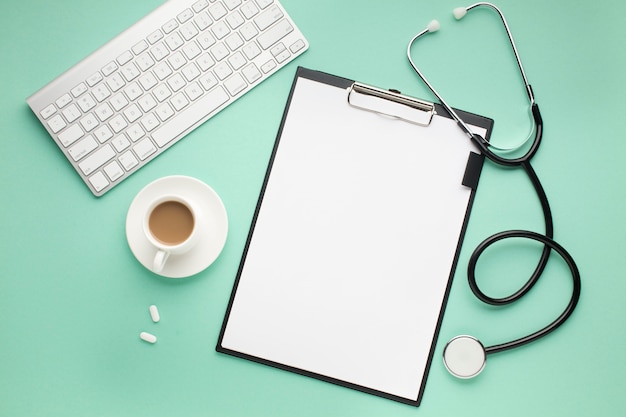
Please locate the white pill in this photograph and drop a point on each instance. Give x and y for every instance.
(150, 338)
(154, 313)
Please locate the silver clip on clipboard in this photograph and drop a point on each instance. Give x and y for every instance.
(355, 238)
(390, 103)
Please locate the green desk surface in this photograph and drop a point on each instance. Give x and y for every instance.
(73, 299)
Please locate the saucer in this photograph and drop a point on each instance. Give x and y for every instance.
(212, 224)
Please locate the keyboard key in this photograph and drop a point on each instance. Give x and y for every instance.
(205, 62)
(109, 68)
(194, 113)
(170, 26)
(235, 19)
(63, 101)
(268, 17)
(97, 159)
(128, 160)
(71, 135)
(179, 101)
(119, 101)
(103, 133)
(217, 11)
(135, 133)
(220, 30)
(147, 103)
(130, 72)
(159, 51)
(237, 61)
(249, 10)
(82, 148)
(200, 5)
(115, 82)
(222, 70)
(176, 82)
(191, 72)
(118, 123)
(162, 71)
(120, 143)
(232, 4)
(191, 50)
(251, 50)
(144, 149)
(235, 84)
(155, 36)
(164, 112)
(104, 112)
(203, 21)
(150, 122)
(140, 47)
(71, 113)
(101, 92)
(296, 46)
(113, 171)
(208, 81)
(174, 41)
(94, 79)
(79, 89)
(189, 31)
(264, 3)
(185, 15)
(133, 91)
(86, 103)
(177, 61)
(98, 181)
(193, 91)
(234, 41)
(148, 81)
(89, 122)
(274, 34)
(249, 31)
(48, 111)
(268, 66)
(206, 40)
(220, 51)
(162, 92)
(124, 58)
(132, 113)
(252, 73)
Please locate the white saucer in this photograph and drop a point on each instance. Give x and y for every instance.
(213, 226)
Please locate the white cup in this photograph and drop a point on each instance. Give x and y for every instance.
(171, 225)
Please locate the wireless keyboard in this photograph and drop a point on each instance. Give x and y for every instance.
(144, 90)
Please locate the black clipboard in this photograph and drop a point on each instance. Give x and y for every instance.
(355, 239)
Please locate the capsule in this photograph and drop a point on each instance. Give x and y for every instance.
(150, 338)
(154, 313)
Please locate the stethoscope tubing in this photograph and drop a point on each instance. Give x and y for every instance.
(550, 245)
(546, 239)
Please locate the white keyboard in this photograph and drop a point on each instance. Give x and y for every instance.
(145, 89)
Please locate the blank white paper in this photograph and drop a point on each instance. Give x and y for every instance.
(348, 264)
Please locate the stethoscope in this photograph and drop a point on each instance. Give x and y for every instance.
(465, 356)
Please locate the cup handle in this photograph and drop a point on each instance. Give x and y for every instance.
(159, 260)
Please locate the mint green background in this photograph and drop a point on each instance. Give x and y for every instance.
(73, 299)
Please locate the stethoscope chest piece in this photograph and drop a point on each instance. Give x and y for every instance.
(464, 357)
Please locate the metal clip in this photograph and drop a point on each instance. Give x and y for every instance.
(391, 103)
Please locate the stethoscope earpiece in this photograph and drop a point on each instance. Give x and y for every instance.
(464, 357)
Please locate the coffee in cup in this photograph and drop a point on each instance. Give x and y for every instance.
(170, 225)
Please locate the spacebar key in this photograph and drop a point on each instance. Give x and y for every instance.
(190, 116)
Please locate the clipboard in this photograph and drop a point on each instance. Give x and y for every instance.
(354, 242)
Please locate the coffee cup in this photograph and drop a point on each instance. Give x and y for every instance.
(170, 224)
